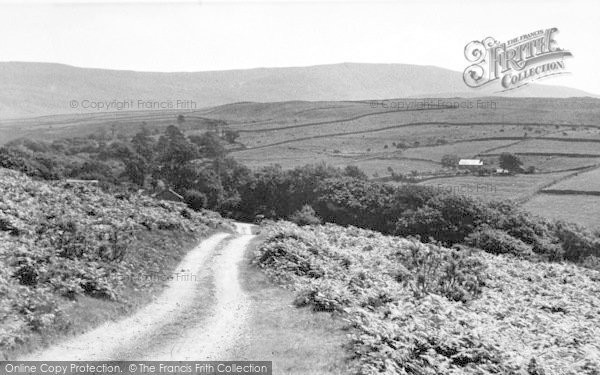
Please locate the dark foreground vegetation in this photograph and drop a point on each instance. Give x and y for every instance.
(64, 246)
(197, 167)
(414, 308)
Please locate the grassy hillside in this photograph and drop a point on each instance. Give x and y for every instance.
(72, 256)
(584, 182)
(423, 309)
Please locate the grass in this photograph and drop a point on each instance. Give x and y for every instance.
(552, 147)
(296, 340)
(588, 181)
(465, 150)
(549, 163)
(496, 187)
(579, 209)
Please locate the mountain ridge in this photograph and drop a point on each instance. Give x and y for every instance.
(29, 89)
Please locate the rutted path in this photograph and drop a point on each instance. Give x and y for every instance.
(194, 319)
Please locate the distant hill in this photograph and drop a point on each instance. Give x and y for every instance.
(36, 89)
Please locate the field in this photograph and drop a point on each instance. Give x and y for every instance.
(584, 182)
(575, 199)
(581, 209)
(550, 147)
(497, 187)
(551, 163)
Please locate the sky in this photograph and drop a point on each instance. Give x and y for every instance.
(189, 35)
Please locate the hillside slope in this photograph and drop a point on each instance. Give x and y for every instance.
(64, 247)
(414, 308)
(35, 89)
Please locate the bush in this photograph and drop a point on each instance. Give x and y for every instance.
(451, 273)
(497, 242)
(577, 242)
(305, 216)
(447, 218)
(195, 199)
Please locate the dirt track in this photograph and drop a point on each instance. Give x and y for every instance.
(194, 319)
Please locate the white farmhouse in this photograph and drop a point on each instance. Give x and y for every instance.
(470, 163)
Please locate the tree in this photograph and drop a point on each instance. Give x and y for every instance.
(180, 119)
(174, 153)
(136, 169)
(510, 162)
(117, 150)
(143, 144)
(174, 149)
(231, 136)
(113, 130)
(209, 144)
(450, 161)
(139, 158)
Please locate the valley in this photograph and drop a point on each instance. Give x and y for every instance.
(390, 140)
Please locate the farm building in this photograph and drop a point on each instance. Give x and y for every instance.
(470, 163)
(168, 195)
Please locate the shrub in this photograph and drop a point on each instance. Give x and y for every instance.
(592, 262)
(450, 161)
(7, 226)
(451, 273)
(305, 216)
(195, 199)
(447, 217)
(40, 309)
(577, 242)
(323, 296)
(497, 242)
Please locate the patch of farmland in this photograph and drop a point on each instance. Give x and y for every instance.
(581, 209)
(264, 115)
(286, 156)
(550, 163)
(462, 150)
(587, 181)
(496, 187)
(330, 128)
(393, 126)
(381, 166)
(553, 147)
(568, 132)
(290, 157)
